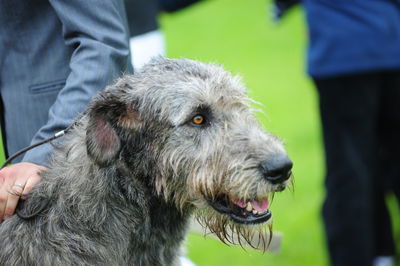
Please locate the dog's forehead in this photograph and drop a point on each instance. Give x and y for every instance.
(187, 74)
(175, 88)
(184, 97)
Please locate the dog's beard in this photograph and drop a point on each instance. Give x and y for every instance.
(229, 232)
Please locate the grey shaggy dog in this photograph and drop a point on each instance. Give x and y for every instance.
(176, 139)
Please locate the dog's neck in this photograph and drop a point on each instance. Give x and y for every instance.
(162, 225)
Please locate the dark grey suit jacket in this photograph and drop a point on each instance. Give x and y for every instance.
(54, 56)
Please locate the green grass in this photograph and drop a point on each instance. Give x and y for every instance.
(239, 35)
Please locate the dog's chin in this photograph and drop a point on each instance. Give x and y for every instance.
(250, 212)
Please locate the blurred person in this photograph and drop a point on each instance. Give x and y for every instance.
(146, 38)
(54, 57)
(354, 61)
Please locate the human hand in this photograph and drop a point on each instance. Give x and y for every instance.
(16, 181)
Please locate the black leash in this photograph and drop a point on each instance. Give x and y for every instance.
(19, 153)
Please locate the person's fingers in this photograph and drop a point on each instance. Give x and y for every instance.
(30, 183)
(14, 194)
(3, 192)
(3, 202)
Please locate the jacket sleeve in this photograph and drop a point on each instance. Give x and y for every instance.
(98, 32)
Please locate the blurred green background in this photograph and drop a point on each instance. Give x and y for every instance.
(241, 36)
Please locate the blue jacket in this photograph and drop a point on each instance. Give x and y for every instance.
(350, 36)
(54, 57)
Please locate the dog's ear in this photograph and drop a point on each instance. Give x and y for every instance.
(109, 120)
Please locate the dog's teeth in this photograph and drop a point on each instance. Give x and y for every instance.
(249, 207)
(255, 212)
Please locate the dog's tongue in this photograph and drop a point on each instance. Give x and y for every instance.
(260, 206)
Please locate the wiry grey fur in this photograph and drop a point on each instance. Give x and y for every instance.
(126, 179)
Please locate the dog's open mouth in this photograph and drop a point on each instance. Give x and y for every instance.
(243, 212)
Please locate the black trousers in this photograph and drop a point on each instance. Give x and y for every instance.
(361, 128)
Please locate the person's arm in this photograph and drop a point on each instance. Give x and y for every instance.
(97, 30)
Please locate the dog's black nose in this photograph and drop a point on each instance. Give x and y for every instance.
(277, 168)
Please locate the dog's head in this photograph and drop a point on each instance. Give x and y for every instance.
(187, 128)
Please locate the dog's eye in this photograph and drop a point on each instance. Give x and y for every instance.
(201, 117)
(198, 120)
